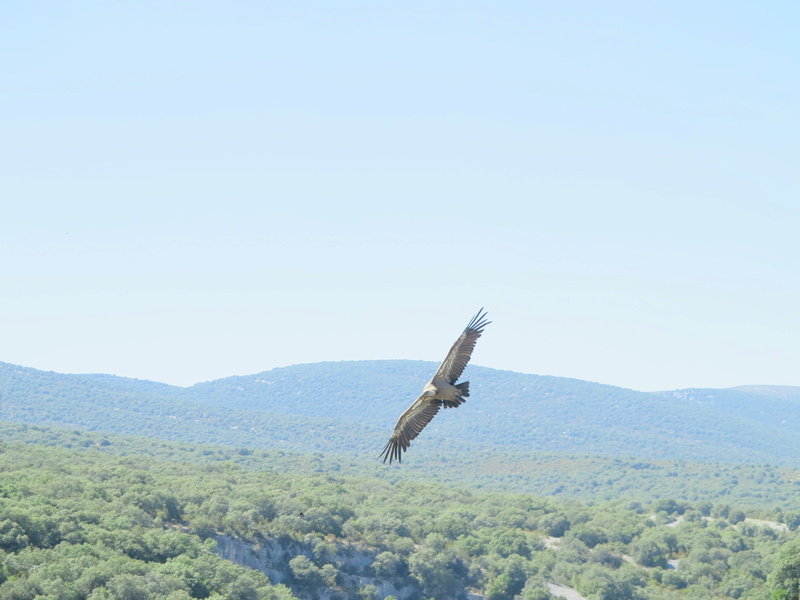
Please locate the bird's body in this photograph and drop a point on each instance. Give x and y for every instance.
(441, 391)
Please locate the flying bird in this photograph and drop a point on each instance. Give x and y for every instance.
(441, 391)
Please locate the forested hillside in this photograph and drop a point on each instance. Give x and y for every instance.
(82, 523)
(586, 478)
(352, 406)
(285, 497)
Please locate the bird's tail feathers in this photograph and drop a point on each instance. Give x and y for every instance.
(463, 389)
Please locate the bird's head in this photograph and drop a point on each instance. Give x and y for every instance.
(429, 392)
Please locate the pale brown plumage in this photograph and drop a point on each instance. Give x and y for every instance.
(441, 390)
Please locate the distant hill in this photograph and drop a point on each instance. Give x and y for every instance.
(352, 407)
(582, 477)
(779, 391)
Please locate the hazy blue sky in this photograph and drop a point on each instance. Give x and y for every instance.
(192, 190)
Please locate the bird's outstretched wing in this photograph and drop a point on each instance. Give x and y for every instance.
(456, 360)
(409, 425)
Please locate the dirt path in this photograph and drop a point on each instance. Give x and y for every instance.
(563, 591)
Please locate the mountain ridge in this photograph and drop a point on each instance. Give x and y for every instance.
(351, 406)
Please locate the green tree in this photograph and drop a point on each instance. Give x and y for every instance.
(506, 543)
(439, 573)
(589, 535)
(306, 574)
(554, 524)
(785, 575)
(128, 587)
(536, 590)
(649, 552)
(368, 592)
(388, 565)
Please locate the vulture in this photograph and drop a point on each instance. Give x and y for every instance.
(441, 391)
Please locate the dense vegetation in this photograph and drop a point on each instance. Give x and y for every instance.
(676, 495)
(82, 523)
(590, 479)
(350, 407)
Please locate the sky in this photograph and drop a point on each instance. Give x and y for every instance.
(194, 190)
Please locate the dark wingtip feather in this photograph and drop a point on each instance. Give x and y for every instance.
(478, 322)
(391, 451)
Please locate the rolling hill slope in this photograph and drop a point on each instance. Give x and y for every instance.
(352, 407)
